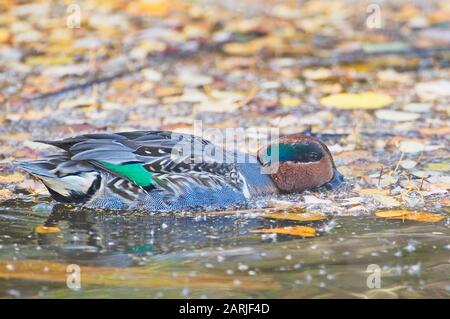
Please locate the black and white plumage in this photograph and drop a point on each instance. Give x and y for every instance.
(151, 170)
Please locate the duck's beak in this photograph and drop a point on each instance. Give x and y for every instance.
(337, 179)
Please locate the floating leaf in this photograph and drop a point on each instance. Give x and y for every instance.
(391, 213)
(410, 215)
(301, 217)
(363, 101)
(302, 231)
(41, 229)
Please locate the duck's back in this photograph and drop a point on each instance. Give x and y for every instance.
(151, 170)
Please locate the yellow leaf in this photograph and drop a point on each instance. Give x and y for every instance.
(4, 35)
(248, 48)
(391, 213)
(373, 191)
(441, 167)
(387, 201)
(12, 178)
(48, 60)
(302, 217)
(41, 229)
(254, 46)
(362, 101)
(410, 215)
(290, 101)
(302, 231)
(5, 194)
(156, 8)
(318, 74)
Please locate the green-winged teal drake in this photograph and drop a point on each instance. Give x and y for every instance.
(151, 170)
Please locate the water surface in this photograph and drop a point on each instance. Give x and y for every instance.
(123, 255)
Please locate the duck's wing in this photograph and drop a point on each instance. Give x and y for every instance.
(152, 160)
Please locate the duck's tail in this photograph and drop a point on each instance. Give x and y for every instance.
(67, 181)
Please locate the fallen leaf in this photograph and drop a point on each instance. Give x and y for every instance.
(417, 107)
(391, 213)
(4, 35)
(408, 164)
(290, 101)
(387, 201)
(156, 8)
(41, 229)
(5, 194)
(20, 136)
(440, 167)
(396, 116)
(301, 231)
(12, 178)
(410, 215)
(347, 157)
(82, 101)
(386, 47)
(433, 89)
(318, 74)
(416, 147)
(373, 191)
(353, 101)
(48, 60)
(301, 217)
(443, 130)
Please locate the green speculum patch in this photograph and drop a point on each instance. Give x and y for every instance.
(135, 172)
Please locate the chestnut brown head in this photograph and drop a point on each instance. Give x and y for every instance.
(300, 162)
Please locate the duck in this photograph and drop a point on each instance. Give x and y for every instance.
(164, 171)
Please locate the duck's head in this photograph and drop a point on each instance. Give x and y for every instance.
(299, 162)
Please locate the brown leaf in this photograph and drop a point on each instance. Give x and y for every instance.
(41, 229)
(410, 215)
(301, 231)
(373, 191)
(12, 178)
(301, 217)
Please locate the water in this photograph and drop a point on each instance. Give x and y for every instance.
(216, 255)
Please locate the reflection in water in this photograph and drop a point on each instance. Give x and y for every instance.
(222, 253)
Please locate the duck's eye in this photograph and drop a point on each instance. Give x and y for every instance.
(314, 157)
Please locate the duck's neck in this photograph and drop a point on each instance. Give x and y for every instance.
(258, 183)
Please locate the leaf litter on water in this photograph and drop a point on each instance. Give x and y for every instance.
(410, 215)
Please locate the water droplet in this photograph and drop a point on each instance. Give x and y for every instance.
(242, 267)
